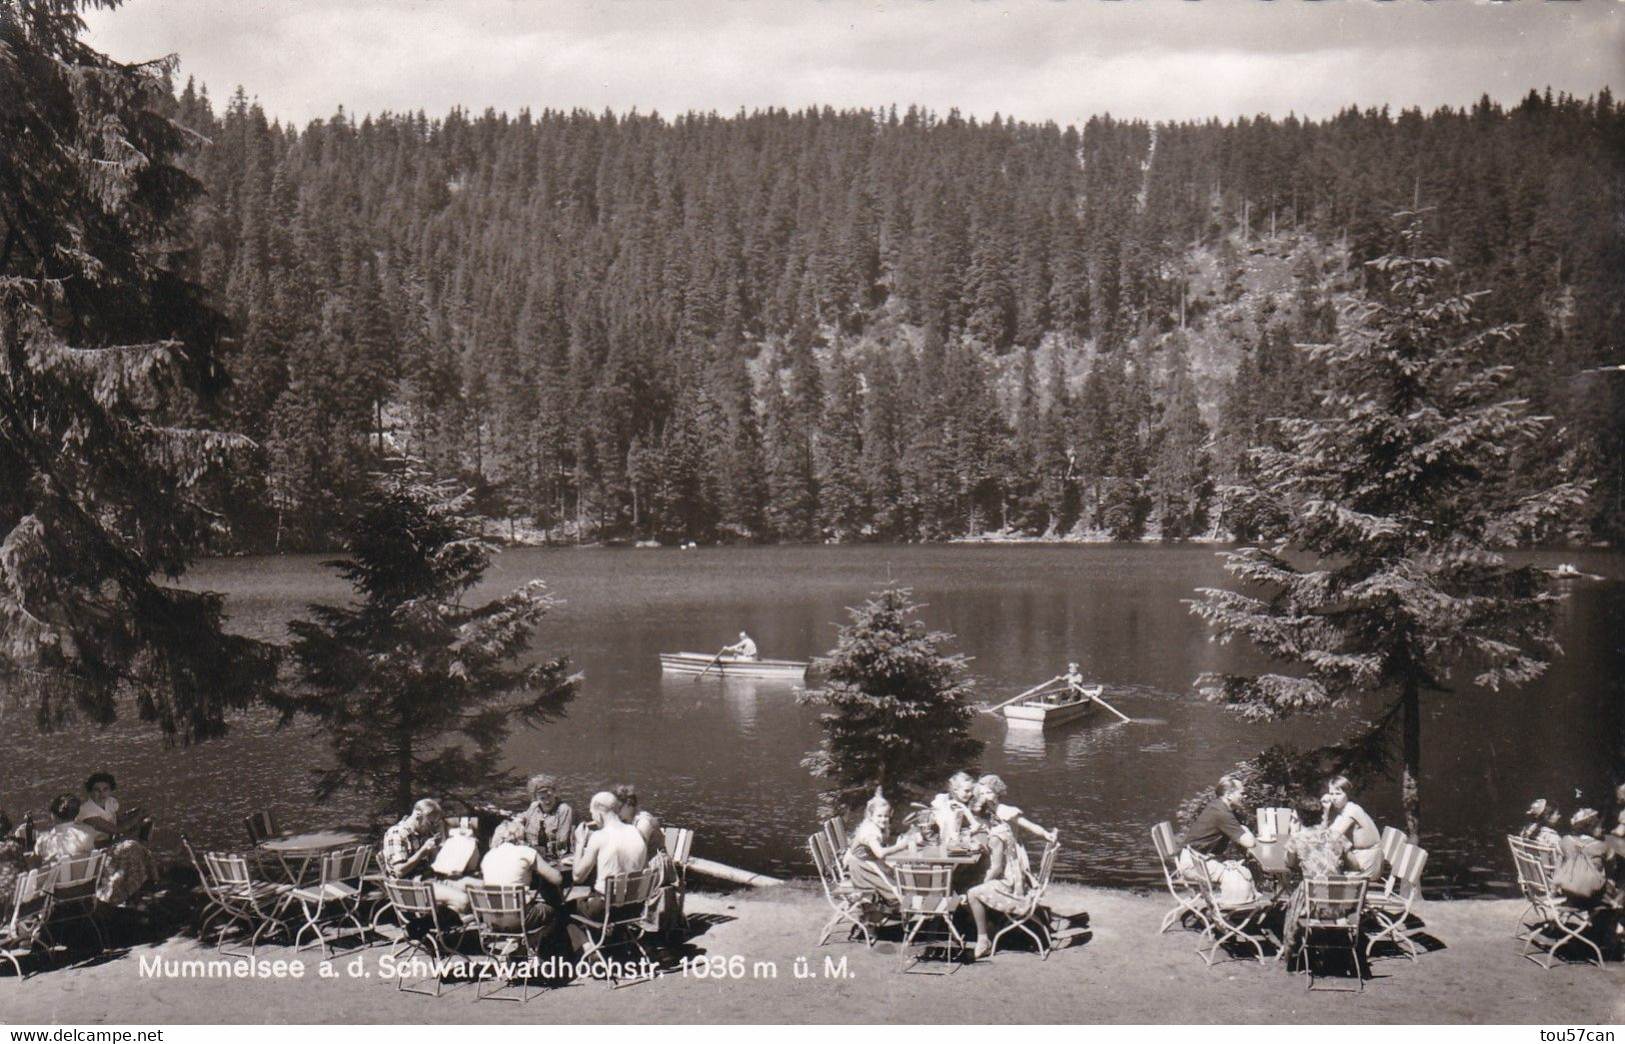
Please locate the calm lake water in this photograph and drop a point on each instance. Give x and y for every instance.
(724, 757)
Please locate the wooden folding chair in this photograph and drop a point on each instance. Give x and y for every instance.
(72, 887)
(260, 826)
(1241, 922)
(234, 893)
(1277, 822)
(623, 923)
(834, 828)
(679, 849)
(1332, 906)
(925, 895)
(850, 903)
(27, 911)
(1392, 908)
(334, 898)
(509, 943)
(1392, 839)
(412, 904)
(1187, 896)
(1558, 922)
(1032, 917)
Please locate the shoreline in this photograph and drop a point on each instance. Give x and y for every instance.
(1112, 967)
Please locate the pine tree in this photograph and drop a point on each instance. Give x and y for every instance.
(1395, 503)
(416, 690)
(108, 365)
(899, 709)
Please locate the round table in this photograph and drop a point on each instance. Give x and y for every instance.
(297, 852)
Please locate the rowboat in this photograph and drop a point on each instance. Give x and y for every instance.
(712, 665)
(1053, 708)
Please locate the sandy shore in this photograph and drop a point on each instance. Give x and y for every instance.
(1114, 968)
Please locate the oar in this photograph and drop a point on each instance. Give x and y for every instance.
(1021, 696)
(1114, 710)
(714, 661)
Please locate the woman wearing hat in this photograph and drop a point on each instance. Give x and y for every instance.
(1544, 819)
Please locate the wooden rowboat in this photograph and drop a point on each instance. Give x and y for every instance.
(1053, 708)
(713, 666)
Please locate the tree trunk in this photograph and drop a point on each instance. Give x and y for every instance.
(1410, 786)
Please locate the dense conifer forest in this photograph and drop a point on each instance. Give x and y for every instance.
(865, 325)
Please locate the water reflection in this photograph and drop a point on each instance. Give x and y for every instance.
(724, 756)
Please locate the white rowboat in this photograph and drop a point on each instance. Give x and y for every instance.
(714, 666)
(1053, 708)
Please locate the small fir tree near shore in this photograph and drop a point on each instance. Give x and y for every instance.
(1393, 503)
(415, 690)
(899, 712)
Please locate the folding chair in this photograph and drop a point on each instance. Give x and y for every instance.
(29, 907)
(1559, 922)
(72, 888)
(1332, 906)
(834, 828)
(679, 848)
(1391, 909)
(849, 902)
(509, 944)
(234, 893)
(335, 897)
(1550, 856)
(622, 924)
(1277, 822)
(412, 903)
(372, 888)
(1238, 921)
(1032, 914)
(1392, 839)
(1187, 896)
(261, 826)
(925, 894)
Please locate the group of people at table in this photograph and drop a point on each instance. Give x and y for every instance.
(1588, 862)
(80, 827)
(564, 863)
(970, 819)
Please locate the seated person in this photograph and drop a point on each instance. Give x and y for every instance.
(1007, 881)
(1353, 822)
(410, 846)
(549, 822)
(866, 849)
(100, 809)
(612, 848)
(130, 865)
(648, 827)
(956, 823)
(68, 838)
(1216, 827)
(1319, 851)
(1582, 872)
(512, 862)
(13, 863)
(744, 649)
(1002, 812)
(1544, 819)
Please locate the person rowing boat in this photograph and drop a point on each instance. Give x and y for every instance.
(744, 649)
(1073, 679)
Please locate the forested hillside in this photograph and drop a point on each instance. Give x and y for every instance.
(863, 325)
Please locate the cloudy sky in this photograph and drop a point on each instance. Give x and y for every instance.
(1061, 60)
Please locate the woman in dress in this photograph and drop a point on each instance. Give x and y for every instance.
(867, 849)
(1356, 824)
(1008, 878)
(130, 866)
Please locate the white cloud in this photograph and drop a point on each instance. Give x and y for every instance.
(1038, 59)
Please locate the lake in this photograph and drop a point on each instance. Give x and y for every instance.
(724, 757)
